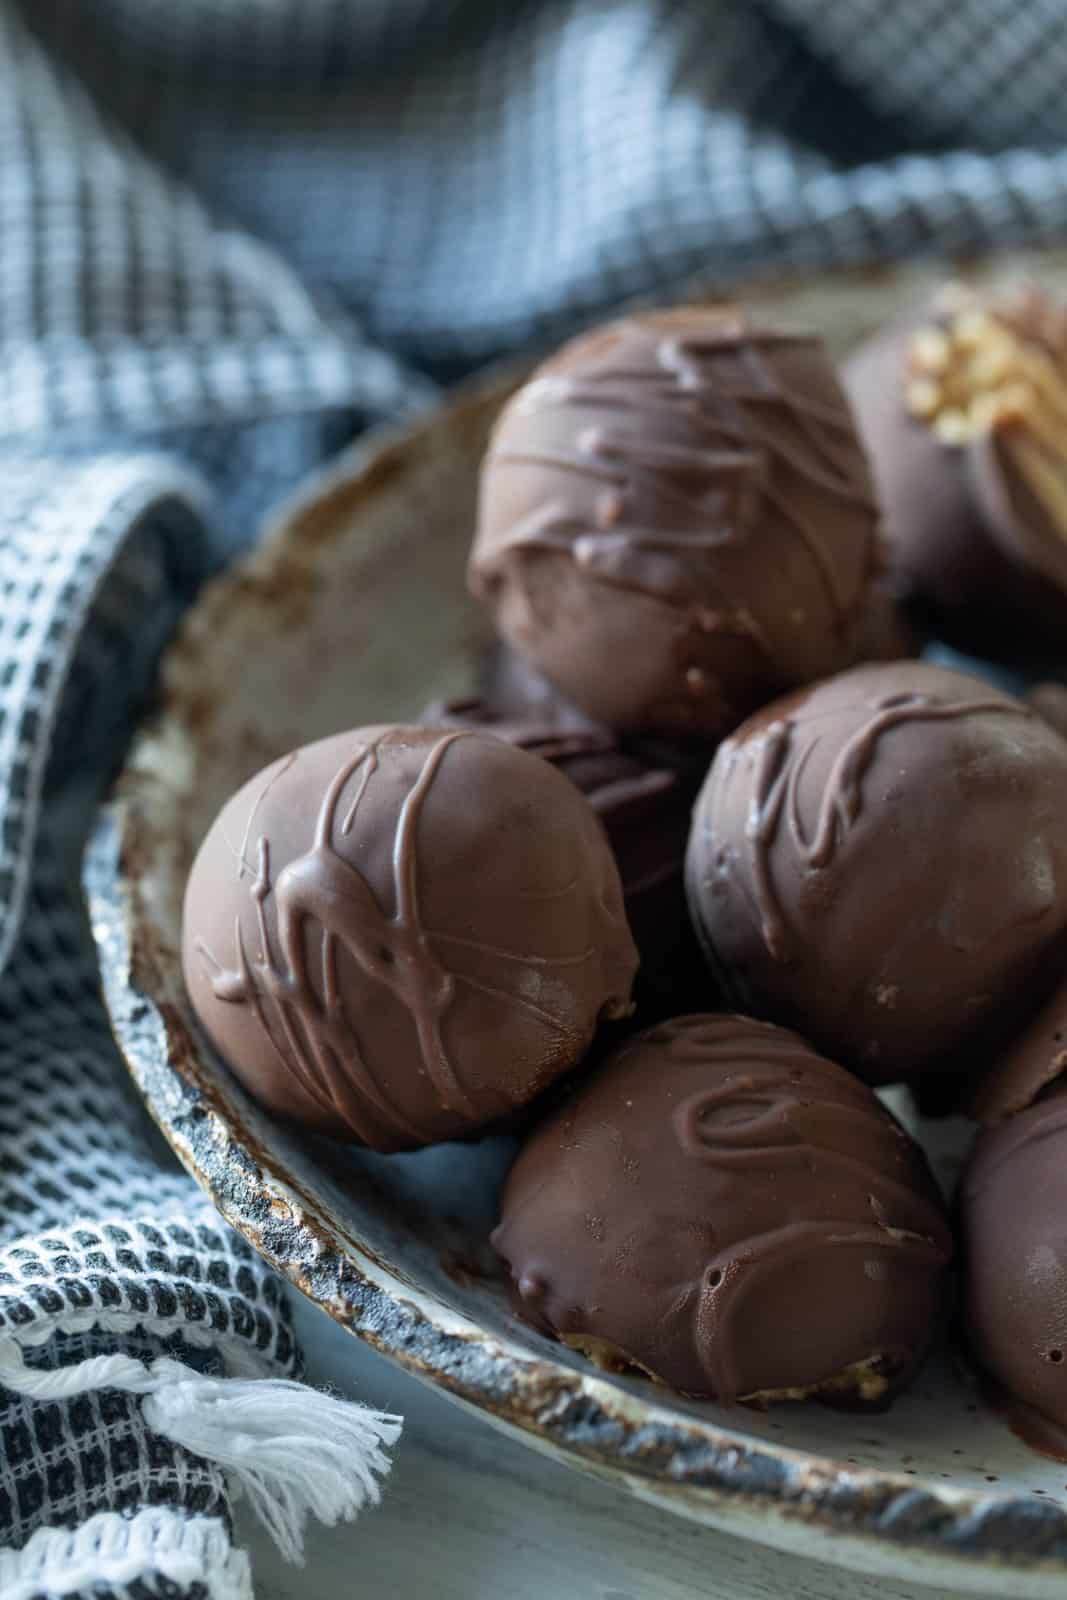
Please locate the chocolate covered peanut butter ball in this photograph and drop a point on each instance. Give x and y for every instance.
(677, 521)
(963, 409)
(721, 1208)
(880, 861)
(402, 935)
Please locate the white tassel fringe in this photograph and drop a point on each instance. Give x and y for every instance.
(294, 1451)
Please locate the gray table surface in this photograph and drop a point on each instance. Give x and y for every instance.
(469, 1514)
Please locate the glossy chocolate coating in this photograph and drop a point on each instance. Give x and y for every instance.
(638, 494)
(881, 862)
(646, 813)
(723, 1208)
(966, 543)
(1013, 1242)
(400, 935)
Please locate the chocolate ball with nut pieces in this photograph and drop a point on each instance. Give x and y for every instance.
(963, 409)
(677, 521)
(719, 1207)
(403, 935)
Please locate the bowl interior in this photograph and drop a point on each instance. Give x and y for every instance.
(354, 610)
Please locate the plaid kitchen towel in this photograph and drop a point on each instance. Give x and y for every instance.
(233, 232)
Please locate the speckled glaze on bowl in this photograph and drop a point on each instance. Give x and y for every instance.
(353, 610)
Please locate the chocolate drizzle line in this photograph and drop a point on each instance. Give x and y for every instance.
(314, 1036)
(779, 769)
(711, 482)
(322, 1044)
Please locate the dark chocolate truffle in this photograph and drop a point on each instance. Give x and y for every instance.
(964, 412)
(881, 862)
(677, 521)
(719, 1206)
(399, 935)
(1013, 1242)
(646, 812)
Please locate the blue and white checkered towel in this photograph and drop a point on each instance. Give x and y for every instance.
(233, 232)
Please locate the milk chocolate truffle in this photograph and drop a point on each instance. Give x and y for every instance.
(401, 935)
(677, 522)
(1013, 1241)
(881, 862)
(722, 1208)
(964, 410)
(646, 812)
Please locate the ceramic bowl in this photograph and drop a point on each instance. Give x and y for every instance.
(353, 610)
